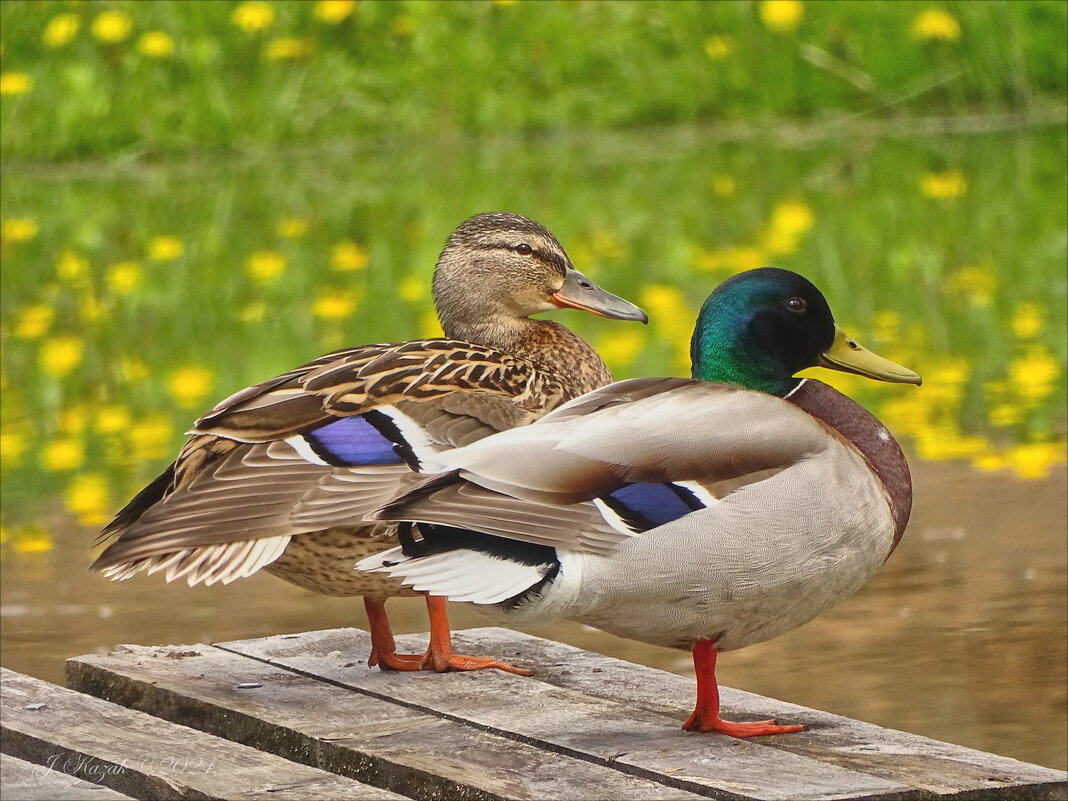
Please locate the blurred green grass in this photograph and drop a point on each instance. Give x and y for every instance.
(288, 73)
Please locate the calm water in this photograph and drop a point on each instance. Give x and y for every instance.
(133, 298)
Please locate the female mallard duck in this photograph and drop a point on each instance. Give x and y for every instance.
(707, 513)
(280, 475)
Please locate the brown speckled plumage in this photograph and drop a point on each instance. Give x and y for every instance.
(240, 498)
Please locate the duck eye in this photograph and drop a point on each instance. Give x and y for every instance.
(524, 249)
(796, 304)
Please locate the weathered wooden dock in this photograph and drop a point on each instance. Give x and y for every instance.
(301, 716)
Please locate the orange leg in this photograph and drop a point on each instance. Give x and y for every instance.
(383, 648)
(705, 715)
(440, 657)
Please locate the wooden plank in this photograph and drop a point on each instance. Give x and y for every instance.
(143, 756)
(590, 727)
(28, 782)
(930, 765)
(629, 716)
(347, 732)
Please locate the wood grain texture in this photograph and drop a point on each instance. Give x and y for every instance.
(146, 757)
(29, 782)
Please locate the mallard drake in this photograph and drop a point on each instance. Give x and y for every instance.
(280, 475)
(705, 514)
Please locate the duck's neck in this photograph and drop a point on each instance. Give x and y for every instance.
(551, 347)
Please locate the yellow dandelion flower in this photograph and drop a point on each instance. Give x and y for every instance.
(1034, 373)
(734, 259)
(155, 44)
(936, 24)
(403, 26)
(111, 26)
(91, 310)
(989, 461)
(164, 248)
(412, 288)
(1005, 414)
(781, 16)
(793, 217)
(60, 355)
(719, 46)
(32, 540)
(1027, 320)
(264, 266)
(18, 229)
(942, 441)
(188, 385)
(15, 83)
(620, 349)
(950, 183)
(293, 227)
(290, 49)
(88, 498)
(63, 454)
(334, 304)
(334, 11)
(504, 2)
(724, 185)
(34, 321)
(72, 268)
(1034, 459)
(60, 30)
(347, 256)
(149, 438)
(111, 420)
(12, 446)
(253, 16)
(606, 244)
(123, 277)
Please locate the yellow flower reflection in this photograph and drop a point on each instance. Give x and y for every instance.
(1034, 373)
(1027, 321)
(347, 256)
(149, 438)
(15, 83)
(12, 445)
(253, 17)
(60, 355)
(34, 321)
(33, 539)
(936, 24)
(87, 497)
(60, 30)
(189, 385)
(63, 454)
(111, 26)
(781, 16)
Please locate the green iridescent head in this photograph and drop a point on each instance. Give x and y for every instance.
(761, 327)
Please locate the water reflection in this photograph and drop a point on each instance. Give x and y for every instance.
(961, 637)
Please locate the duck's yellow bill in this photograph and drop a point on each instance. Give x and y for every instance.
(847, 356)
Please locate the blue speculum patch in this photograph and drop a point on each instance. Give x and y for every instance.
(351, 442)
(644, 506)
